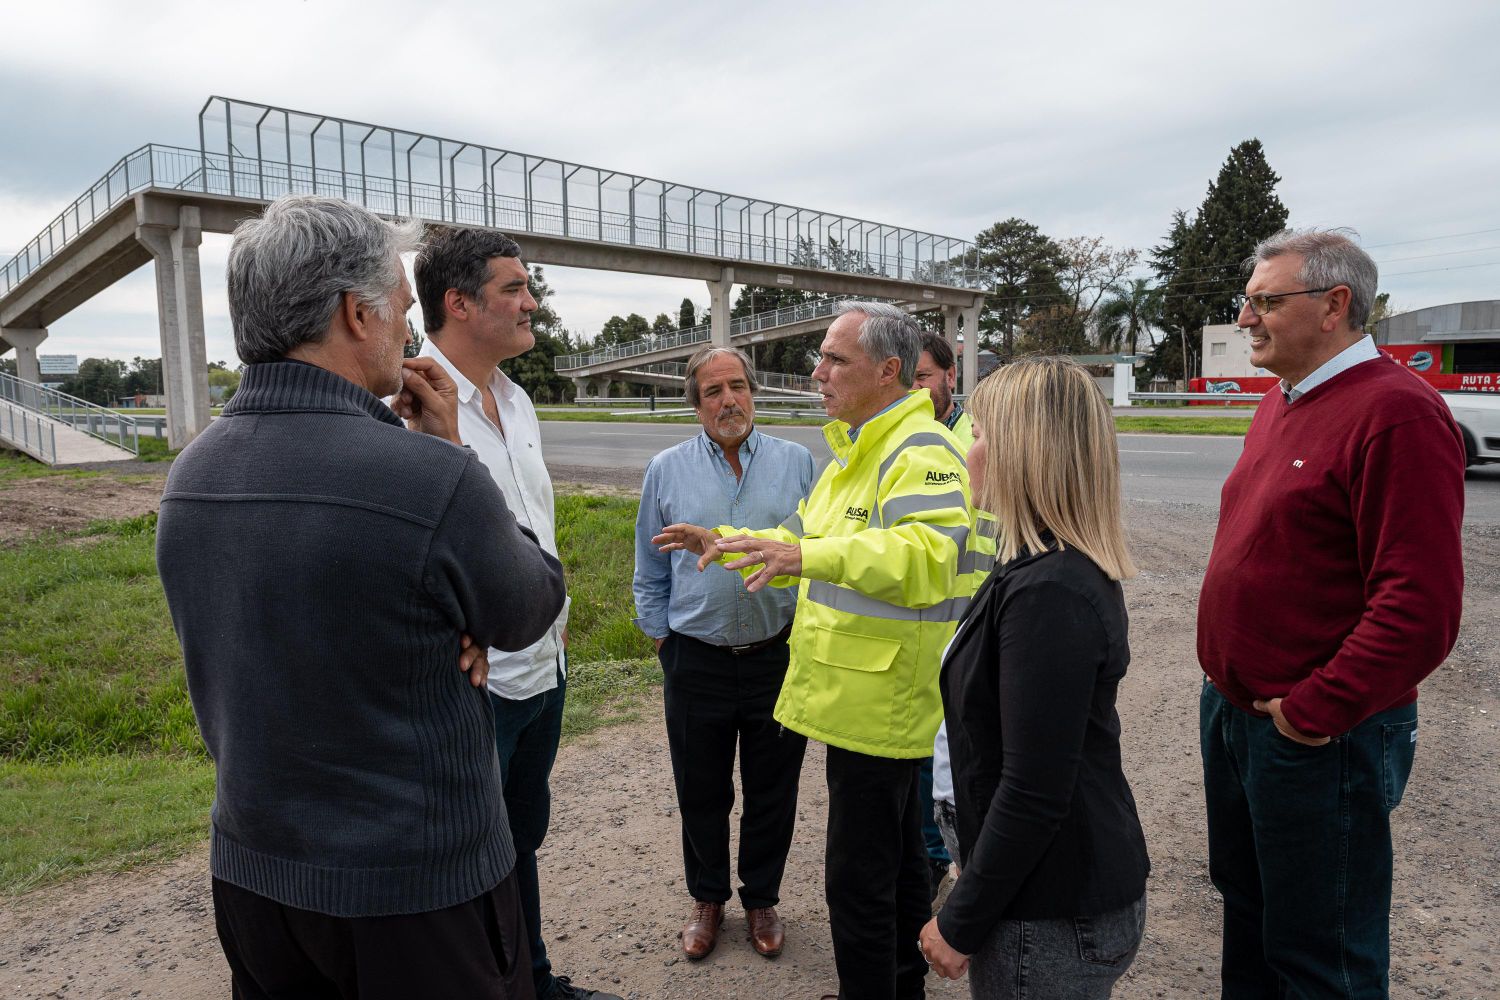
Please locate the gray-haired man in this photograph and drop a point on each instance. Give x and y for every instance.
(724, 650)
(360, 844)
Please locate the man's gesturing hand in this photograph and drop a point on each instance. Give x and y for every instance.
(689, 538)
(428, 400)
(1273, 709)
(779, 558)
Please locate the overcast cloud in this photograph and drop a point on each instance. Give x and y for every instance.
(1084, 118)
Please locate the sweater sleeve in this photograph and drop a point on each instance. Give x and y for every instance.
(1052, 647)
(487, 572)
(1407, 500)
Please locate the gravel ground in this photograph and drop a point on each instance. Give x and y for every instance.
(613, 888)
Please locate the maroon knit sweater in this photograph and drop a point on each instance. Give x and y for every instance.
(1336, 577)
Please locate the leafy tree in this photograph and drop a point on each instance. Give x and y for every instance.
(1128, 316)
(219, 376)
(687, 315)
(414, 345)
(99, 380)
(618, 330)
(535, 370)
(662, 325)
(143, 377)
(1200, 264)
(1020, 264)
(1381, 309)
(8, 366)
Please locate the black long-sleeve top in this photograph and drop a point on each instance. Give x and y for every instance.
(1047, 826)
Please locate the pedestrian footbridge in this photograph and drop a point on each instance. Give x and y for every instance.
(154, 204)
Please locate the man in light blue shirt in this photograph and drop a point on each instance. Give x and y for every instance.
(723, 650)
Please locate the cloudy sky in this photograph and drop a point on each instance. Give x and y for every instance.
(1084, 118)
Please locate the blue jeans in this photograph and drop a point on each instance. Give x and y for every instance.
(932, 837)
(1067, 958)
(1299, 844)
(526, 737)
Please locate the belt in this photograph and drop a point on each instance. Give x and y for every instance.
(755, 647)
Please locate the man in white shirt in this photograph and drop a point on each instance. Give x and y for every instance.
(476, 308)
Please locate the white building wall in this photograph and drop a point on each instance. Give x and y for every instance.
(1226, 353)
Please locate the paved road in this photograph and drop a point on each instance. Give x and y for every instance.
(1157, 468)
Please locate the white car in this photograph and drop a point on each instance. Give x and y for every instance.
(1478, 416)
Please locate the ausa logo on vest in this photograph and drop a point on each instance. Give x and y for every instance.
(857, 514)
(942, 477)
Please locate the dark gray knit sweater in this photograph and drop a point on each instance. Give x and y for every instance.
(320, 561)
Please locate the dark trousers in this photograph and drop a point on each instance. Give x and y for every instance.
(526, 736)
(716, 700)
(1299, 844)
(875, 876)
(932, 837)
(473, 950)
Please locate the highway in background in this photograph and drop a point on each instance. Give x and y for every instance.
(1157, 468)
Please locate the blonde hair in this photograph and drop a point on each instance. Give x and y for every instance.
(1051, 462)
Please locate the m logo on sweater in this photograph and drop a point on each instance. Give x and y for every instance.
(1296, 463)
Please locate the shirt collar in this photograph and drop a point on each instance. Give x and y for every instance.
(954, 416)
(854, 431)
(748, 446)
(1360, 351)
(499, 383)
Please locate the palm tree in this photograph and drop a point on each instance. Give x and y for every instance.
(1131, 311)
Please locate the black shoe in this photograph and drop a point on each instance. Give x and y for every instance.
(563, 989)
(936, 872)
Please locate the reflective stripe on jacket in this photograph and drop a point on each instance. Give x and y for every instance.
(888, 569)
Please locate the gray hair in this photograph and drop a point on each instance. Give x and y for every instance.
(703, 357)
(1329, 257)
(289, 269)
(887, 332)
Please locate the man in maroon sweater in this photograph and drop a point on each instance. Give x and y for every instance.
(1333, 589)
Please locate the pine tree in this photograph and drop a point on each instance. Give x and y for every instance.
(687, 315)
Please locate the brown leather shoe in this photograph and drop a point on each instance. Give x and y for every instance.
(701, 932)
(766, 930)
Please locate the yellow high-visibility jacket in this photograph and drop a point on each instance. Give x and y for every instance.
(887, 570)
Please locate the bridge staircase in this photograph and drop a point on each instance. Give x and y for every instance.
(59, 429)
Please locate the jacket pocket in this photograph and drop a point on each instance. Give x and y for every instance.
(1398, 751)
(849, 687)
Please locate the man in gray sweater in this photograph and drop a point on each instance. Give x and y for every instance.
(318, 561)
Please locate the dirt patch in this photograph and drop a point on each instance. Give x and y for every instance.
(30, 507)
(613, 892)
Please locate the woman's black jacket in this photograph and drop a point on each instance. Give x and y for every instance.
(1047, 826)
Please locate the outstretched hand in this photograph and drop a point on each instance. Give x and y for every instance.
(774, 558)
(689, 538)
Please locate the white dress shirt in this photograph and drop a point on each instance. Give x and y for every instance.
(514, 459)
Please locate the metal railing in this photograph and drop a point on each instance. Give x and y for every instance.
(1227, 398)
(767, 320)
(767, 380)
(90, 418)
(30, 432)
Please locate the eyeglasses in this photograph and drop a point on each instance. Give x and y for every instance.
(1260, 304)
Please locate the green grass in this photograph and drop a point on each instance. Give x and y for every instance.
(15, 465)
(1235, 426)
(101, 765)
(65, 819)
(154, 449)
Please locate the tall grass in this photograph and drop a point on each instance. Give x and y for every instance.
(101, 764)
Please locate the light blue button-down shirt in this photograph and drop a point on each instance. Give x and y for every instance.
(1359, 352)
(693, 483)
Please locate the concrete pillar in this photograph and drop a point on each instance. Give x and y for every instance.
(719, 306)
(25, 340)
(1124, 382)
(969, 377)
(950, 327)
(173, 243)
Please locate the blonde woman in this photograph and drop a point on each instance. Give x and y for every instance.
(1051, 899)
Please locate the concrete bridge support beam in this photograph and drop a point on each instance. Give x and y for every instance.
(25, 340)
(950, 327)
(173, 233)
(969, 377)
(719, 307)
